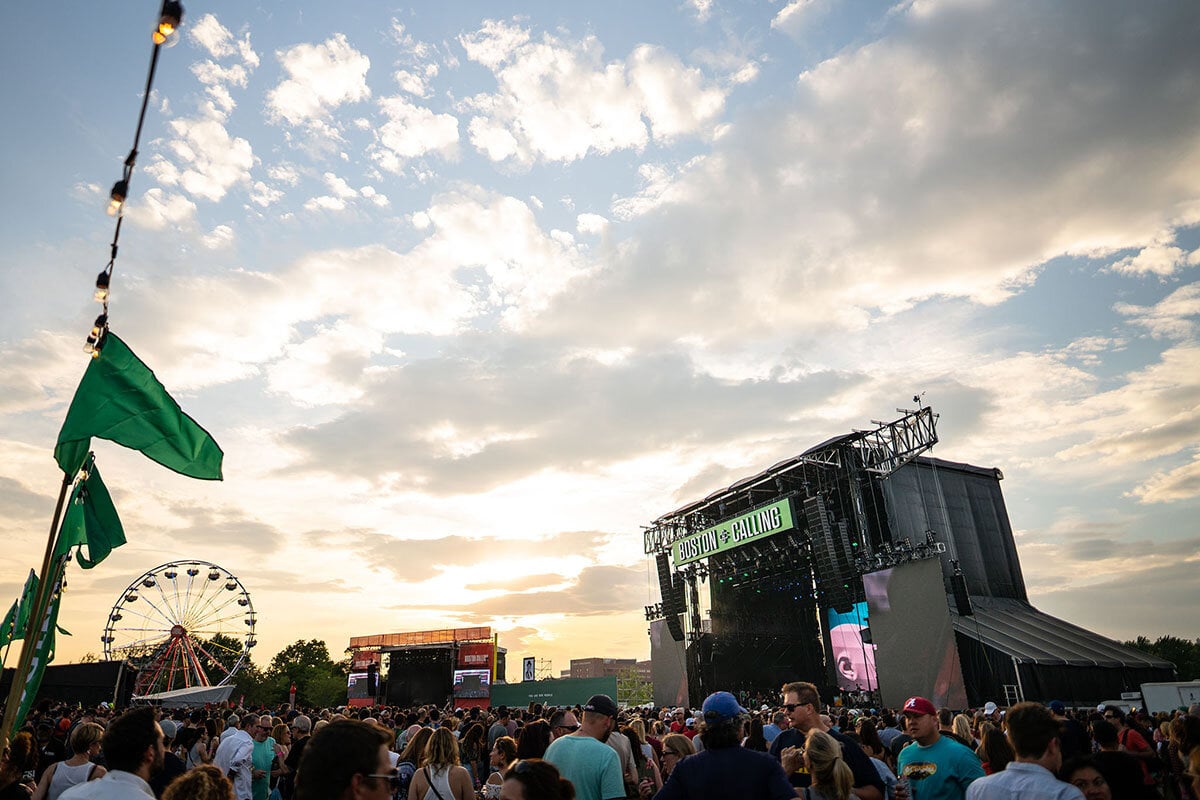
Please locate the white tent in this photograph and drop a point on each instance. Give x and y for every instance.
(192, 696)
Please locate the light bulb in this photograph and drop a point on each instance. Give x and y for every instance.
(101, 295)
(116, 198)
(167, 30)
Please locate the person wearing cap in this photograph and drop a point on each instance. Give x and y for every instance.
(1071, 734)
(991, 712)
(936, 767)
(173, 766)
(582, 757)
(802, 702)
(1034, 734)
(724, 769)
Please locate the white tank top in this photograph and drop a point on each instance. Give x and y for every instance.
(66, 776)
(440, 779)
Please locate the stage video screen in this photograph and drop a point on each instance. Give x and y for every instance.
(356, 686)
(472, 682)
(915, 653)
(852, 653)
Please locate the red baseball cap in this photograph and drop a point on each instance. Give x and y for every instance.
(919, 705)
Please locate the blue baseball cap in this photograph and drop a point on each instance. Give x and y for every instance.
(721, 706)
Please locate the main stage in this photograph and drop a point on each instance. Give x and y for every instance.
(873, 570)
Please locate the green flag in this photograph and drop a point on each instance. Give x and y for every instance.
(9, 625)
(17, 618)
(43, 652)
(91, 520)
(119, 399)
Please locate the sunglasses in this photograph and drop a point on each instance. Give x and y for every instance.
(793, 706)
(571, 728)
(671, 753)
(393, 779)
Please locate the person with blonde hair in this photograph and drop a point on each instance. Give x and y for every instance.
(62, 775)
(832, 778)
(441, 776)
(962, 729)
(676, 747)
(204, 782)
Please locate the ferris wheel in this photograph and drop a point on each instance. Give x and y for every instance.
(182, 624)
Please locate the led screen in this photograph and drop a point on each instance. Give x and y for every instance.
(853, 658)
(356, 685)
(915, 653)
(471, 682)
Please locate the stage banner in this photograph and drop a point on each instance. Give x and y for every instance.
(477, 655)
(742, 529)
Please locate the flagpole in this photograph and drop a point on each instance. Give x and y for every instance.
(34, 624)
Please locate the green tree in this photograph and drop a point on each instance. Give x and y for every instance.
(218, 655)
(632, 689)
(320, 681)
(1184, 654)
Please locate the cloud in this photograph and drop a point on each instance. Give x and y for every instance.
(598, 590)
(208, 162)
(1170, 486)
(21, 504)
(1157, 259)
(203, 526)
(1139, 612)
(797, 15)
(40, 372)
(219, 237)
(211, 35)
(491, 417)
(591, 223)
(418, 560)
(1173, 317)
(559, 100)
(159, 210)
(921, 165)
(412, 131)
(320, 77)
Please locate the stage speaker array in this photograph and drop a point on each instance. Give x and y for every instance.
(671, 590)
(962, 598)
(833, 562)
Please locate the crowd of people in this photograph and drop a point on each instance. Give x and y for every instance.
(599, 751)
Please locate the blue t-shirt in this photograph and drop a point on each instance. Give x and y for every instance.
(941, 771)
(727, 772)
(590, 765)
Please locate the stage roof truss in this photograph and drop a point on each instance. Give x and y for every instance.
(880, 451)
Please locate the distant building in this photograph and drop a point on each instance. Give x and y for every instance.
(602, 667)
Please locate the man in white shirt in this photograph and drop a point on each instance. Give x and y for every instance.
(133, 748)
(1033, 733)
(235, 759)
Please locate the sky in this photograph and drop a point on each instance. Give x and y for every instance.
(468, 293)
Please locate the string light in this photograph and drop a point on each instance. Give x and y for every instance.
(116, 198)
(101, 295)
(95, 339)
(166, 32)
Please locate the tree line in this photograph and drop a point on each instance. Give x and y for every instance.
(1184, 654)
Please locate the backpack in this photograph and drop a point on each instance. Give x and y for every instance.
(406, 770)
